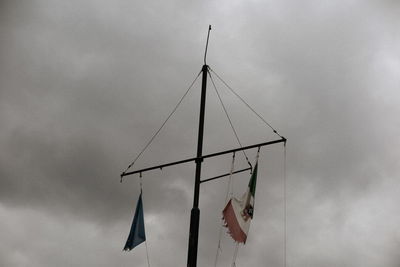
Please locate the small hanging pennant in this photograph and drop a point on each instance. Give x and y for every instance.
(137, 234)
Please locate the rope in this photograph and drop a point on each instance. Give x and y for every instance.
(228, 192)
(141, 183)
(154, 136)
(147, 253)
(145, 242)
(241, 99)
(229, 119)
(284, 208)
(258, 153)
(235, 255)
(257, 156)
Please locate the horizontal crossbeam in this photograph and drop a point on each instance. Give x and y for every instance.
(282, 140)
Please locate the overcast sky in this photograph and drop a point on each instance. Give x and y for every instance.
(84, 85)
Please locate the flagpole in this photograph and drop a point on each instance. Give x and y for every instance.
(195, 212)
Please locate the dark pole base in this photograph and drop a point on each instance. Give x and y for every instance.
(193, 237)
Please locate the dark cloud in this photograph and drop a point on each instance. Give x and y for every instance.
(84, 85)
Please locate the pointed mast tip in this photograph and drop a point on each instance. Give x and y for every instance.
(208, 36)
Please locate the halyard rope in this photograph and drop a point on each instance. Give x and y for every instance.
(284, 208)
(145, 241)
(228, 193)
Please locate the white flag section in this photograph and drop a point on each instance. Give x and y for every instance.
(239, 212)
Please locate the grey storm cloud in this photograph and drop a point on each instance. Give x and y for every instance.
(85, 84)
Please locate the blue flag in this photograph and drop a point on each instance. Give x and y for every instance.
(137, 234)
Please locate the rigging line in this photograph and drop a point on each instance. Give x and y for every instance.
(284, 207)
(229, 119)
(235, 255)
(244, 102)
(145, 241)
(141, 183)
(230, 178)
(228, 193)
(147, 253)
(154, 136)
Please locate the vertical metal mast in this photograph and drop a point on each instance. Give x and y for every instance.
(195, 213)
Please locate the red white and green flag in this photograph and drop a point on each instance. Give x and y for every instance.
(238, 213)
